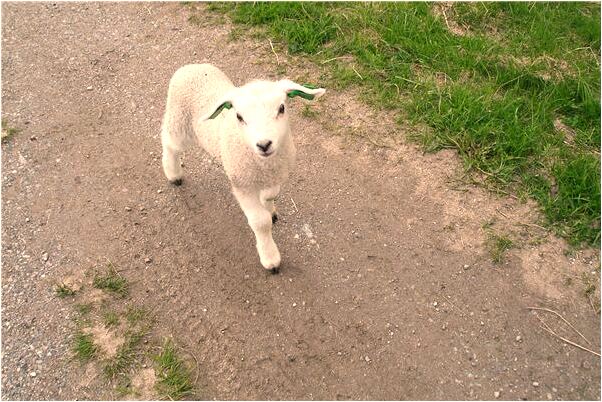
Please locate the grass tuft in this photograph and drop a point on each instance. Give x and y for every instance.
(63, 291)
(173, 377)
(135, 314)
(126, 354)
(83, 346)
(111, 281)
(83, 308)
(498, 245)
(110, 319)
(7, 131)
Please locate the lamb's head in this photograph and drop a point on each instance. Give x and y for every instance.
(261, 112)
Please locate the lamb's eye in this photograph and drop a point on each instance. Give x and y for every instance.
(281, 109)
(239, 117)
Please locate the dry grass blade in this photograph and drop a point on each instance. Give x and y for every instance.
(563, 319)
(545, 327)
(273, 51)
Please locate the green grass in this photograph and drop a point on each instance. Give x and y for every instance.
(497, 246)
(309, 112)
(8, 131)
(63, 291)
(83, 346)
(492, 94)
(83, 308)
(135, 314)
(173, 378)
(111, 281)
(110, 319)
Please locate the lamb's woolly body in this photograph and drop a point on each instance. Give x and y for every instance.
(193, 90)
(257, 154)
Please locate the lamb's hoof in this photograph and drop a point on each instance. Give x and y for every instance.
(176, 182)
(274, 218)
(274, 270)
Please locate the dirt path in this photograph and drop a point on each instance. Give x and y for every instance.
(387, 289)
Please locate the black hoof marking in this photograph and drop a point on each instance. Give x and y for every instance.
(274, 218)
(275, 270)
(177, 182)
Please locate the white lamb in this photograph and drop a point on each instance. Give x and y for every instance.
(253, 141)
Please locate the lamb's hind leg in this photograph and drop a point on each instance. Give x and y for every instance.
(171, 160)
(260, 220)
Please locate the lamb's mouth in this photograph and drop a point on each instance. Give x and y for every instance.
(266, 154)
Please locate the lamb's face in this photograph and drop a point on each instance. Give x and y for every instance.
(261, 113)
(262, 116)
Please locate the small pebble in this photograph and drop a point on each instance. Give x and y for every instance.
(497, 394)
(128, 208)
(33, 374)
(294, 304)
(435, 304)
(26, 219)
(159, 191)
(466, 266)
(519, 338)
(535, 384)
(148, 260)
(339, 354)
(44, 256)
(90, 88)
(367, 359)
(549, 396)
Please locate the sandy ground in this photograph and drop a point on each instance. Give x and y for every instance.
(387, 289)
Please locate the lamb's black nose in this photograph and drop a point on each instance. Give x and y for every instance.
(264, 145)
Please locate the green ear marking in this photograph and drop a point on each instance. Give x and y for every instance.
(304, 95)
(225, 105)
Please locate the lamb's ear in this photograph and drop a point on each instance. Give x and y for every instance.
(224, 103)
(306, 91)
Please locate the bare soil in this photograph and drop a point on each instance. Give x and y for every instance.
(387, 289)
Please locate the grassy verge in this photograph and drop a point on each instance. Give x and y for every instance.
(514, 87)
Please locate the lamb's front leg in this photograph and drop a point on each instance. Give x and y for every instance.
(260, 220)
(267, 197)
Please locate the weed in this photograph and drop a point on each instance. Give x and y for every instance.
(126, 354)
(135, 314)
(111, 281)
(83, 346)
(196, 19)
(110, 319)
(173, 377)
(309, 112)
(124, 387)
(83, 308)
(8, 131)
(63, 291)
(498, 245)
